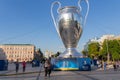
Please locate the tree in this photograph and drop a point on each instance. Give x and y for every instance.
(93, 50)
(115, 56)
(104, 50)
(111, 47)
(57, 54)
(38, 55)
(84, 52)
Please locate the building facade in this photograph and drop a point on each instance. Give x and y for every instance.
(48, 54)
(22, 52)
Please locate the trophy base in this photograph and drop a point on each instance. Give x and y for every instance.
(72, 64)
(70, 52)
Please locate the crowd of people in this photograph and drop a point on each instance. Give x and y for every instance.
(46, 62)
(104, 65)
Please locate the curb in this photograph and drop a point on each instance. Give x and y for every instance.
(22, 73)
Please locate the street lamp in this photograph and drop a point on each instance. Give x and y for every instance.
(108, 55)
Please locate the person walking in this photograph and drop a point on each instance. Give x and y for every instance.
(105, 65)
(47, 67)
(17, 65)
(24, 65)
(114, 66)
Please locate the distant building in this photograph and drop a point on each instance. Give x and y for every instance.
(106, 37)
(22, 52)
(2, 55)
(48, 54)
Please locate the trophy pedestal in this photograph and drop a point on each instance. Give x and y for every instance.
(68, 64)
(68, 60)
(71, 53)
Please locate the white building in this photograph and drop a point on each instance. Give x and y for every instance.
(48, 53)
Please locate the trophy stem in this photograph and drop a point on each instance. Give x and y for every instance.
(71, 52)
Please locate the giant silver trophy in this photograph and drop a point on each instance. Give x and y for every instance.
(69, 25)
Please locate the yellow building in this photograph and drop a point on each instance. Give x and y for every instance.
(22, 52)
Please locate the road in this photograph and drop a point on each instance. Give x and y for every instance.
(68, 75)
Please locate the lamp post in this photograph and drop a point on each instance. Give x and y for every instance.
(108, 55)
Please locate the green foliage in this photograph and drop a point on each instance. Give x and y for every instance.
(112, 47)
(93, 50)
(85, 53)
(104, 50)
(116, 56)
(57, 54)
(101, 51)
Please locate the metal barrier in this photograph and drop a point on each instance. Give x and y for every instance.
(3, 65)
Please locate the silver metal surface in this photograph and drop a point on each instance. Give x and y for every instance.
(71, 52)
(68, 24)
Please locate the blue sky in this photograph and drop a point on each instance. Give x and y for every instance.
(30, 22)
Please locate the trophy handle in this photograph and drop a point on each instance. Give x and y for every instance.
(54, 21)
(79, 2)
